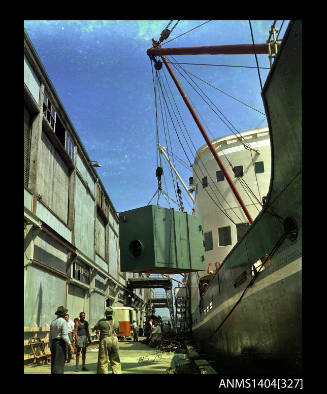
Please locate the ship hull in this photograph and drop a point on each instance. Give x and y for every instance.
(256, 323)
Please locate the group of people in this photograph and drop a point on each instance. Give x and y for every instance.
(65, 335)
(152, 331)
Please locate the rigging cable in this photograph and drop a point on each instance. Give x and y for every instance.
(256, 59)
(171, 172)
(240, 137)
(155, 98)
(221, 209)
(245, 145)
(188, 136)
(188, 157)
(187, 31)
(222, 91)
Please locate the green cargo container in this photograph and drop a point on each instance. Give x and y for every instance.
(159, 240)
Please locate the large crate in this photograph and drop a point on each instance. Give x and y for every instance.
(154, 239)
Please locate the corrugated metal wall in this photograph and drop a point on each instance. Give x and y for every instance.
(100, 238)
(113, 254)
(97, 307)
(53, 179)
(49, 252)
(76, 301)
(44, 293)
(84, 220)
(27, 142)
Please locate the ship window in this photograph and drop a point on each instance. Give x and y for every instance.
(220, 176)
(204, 182)
(241, 229)
(208, 244)
(224, 236)
(238, 171)
(259, 167)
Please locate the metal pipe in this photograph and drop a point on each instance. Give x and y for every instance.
(205, 136)
(161, 148)
(240, 49)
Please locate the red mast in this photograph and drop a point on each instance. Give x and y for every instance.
(207, 139)
(222, 49)
(241, 49)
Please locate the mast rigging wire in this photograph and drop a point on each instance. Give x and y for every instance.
(240, 136)
(221, 209)
(227, 94)
(187, 31)
(256, 59)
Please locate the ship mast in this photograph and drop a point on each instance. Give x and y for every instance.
(157, 51)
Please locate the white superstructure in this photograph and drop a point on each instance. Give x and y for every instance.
(223, 220)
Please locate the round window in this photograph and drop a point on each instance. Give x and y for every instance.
(136, 248)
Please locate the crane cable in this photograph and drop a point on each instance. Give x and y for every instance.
(221, 209)
(187, 31)
(245, 145)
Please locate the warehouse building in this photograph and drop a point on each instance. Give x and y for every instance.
(71, 228)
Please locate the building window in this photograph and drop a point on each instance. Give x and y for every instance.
(259, 167)
(241, 229)
(197, 188)
(204, 182)
(238, 171)
(49, 111)
(81, 272)
(220, 176)
(69, 147)
(208, 244)
(224, 236)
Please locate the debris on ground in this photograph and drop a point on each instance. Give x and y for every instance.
(166, 343)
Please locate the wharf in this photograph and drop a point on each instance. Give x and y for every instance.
(136, 358)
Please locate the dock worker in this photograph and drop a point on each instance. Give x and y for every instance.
(156, 335)
(108, 345)
(135, 331)
(70, 325)
(59, 341)
(82, 339)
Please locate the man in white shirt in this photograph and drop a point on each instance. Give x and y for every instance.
(58, 340)
(135, 331)
(70, 325)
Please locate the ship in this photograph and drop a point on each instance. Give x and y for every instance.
(249, 317)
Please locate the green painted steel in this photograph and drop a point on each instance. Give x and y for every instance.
(154, 239)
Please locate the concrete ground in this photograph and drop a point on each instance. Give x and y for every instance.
(135, 357)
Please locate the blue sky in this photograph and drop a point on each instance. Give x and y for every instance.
(103, 77)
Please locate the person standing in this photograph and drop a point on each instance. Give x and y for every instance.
(58, 341)
(108, 345)
(135, 331)
(82, 339)
(70, 325)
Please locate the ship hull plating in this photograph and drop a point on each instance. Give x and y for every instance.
(266, 323)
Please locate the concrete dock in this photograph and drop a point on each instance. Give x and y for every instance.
(136, 358)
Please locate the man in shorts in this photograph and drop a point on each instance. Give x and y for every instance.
(82, 339)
